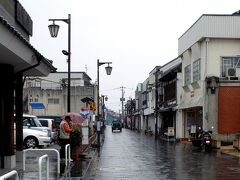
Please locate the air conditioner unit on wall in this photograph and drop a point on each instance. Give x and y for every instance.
(231, 72)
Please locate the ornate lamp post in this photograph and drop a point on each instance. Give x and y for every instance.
(53, 28)
(108, 71)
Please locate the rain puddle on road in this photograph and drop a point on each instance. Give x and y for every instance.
(112, 169)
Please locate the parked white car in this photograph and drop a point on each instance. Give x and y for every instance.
(34, 138)
(32, 122)
(50, 123)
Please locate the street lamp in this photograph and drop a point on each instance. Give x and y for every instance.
(108, 71)
(53, 29)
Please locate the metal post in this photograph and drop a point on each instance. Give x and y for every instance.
(98, 120)
(67, 154)
(103, 109)
(69, 65)
(68, 21)
(40, 166)
(39, 150)
(10, 174)
(122, 99)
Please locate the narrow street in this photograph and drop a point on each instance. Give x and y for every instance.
(131, 155)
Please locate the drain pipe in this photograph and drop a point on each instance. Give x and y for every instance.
(205, 91)
(39, 59)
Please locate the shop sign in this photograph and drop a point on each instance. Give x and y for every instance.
(85, 132)
(171, 131)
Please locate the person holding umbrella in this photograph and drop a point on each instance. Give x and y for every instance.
(64, 137)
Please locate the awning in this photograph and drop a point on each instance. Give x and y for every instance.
(37, 105)
(21, 54)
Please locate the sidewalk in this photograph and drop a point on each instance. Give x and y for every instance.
(230, 150)
(76, 169)
(79, 169)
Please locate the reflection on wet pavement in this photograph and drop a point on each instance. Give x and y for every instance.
(131, 155)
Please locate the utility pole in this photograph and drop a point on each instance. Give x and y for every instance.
(122, 99)
(103, 110)
(104, 97)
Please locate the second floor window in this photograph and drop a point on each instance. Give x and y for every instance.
(196, 70)
(144, 99)
(170, 90)
(53, 101)
(229, 62)
(187, 75)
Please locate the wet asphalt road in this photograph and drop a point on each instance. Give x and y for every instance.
(131, 155)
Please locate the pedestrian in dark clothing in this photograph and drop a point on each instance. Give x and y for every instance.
(64, 137)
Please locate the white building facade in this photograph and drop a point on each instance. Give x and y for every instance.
(210, 51)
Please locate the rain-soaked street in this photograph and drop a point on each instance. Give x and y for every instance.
(131, 155)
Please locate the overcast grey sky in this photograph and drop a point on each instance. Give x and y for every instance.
(135, 35)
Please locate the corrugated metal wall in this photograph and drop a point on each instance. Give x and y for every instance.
(211, 26)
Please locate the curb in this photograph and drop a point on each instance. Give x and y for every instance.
(231, 152)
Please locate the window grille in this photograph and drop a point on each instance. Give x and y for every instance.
(196, 70)
(187, 75)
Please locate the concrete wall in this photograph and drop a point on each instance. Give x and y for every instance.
(179, 125)
(218, 48)
(192, 94)
(77, 93)
(179, 115)
(54, 80)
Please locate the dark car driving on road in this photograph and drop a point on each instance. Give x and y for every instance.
(116, 125)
